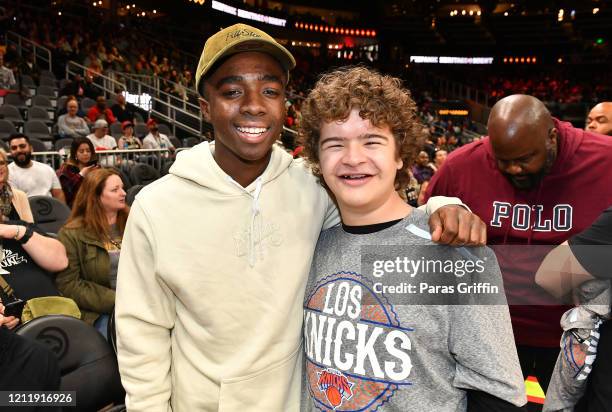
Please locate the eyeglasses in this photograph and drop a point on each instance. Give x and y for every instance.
(3, 162)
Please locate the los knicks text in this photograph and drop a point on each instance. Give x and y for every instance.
(351, 345)
(411, 267)
(461, 288)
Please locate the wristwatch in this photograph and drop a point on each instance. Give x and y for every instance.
(27, 235)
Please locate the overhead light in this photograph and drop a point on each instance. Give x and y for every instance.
(478, 13)
(463, 12)
(154, 11)
(471, 12)
(59, 13)
(506, 14)
(596, 10)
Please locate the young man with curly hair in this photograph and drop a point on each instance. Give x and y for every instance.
(369, 344)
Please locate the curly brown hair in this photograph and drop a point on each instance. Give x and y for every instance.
(381, 99)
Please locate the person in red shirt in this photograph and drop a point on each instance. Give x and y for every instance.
(100, 111)
(534, 181)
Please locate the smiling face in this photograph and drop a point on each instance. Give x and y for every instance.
(245, 102)
(112, 197)
(21, 152)
(72, 107)
(359, 162)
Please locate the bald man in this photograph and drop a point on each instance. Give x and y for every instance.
(534, 181)
(599, 119)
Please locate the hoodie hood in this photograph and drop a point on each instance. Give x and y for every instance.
(199, 166)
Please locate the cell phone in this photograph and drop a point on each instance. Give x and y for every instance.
(14, 308)
(92, 163)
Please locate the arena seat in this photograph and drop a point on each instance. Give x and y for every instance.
(87, 103)
(15, 100)
(38, 145)
(143, 174)
(42, 101)
(190, 141)
(164, 129)
(87, 362)
(131, 194)
(48, 81)
(6, 129)
(49, 213)
(140, 130)
(115, 130)
(11, 113)
(48, 91)
(39, 113)
(36, 129)
(63, 142)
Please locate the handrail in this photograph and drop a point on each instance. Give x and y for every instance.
(21, 43)
(101, 81)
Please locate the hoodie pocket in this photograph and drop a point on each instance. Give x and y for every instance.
(276, 388)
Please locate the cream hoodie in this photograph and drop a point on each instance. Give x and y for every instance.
(211, 283)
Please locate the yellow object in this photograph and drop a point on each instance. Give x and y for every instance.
(49, 305)
(535, 394)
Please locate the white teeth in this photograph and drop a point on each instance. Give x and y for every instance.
(252, 130)
(353, 176)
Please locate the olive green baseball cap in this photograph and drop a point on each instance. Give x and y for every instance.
(237, 39)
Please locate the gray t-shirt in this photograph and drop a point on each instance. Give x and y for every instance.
(371, 349)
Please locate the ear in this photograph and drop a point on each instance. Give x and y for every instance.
(552, 136)
(399, 164)
(205, 108)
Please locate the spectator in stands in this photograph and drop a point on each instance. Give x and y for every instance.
(30, 176)
(128, 141)
(521, 164)
(29, 257)
(28, 66)
(7, 79)
(75, 87)
(92, 237)
(155, 139)
(70, 124)
(103, 142)
(100, 139)
(439, 159)
(421, 170)
(100, 111)
(599, 119)
(81, 161)
(121, 111)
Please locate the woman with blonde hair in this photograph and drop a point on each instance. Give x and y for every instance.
(92, 237)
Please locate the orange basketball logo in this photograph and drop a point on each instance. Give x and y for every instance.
(335, 385)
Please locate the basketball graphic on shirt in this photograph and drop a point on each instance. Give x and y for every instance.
(347, 327)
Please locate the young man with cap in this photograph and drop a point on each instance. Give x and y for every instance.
(103, 142)
(216, 254)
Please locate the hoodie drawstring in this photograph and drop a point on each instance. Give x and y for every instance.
(254, 213)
